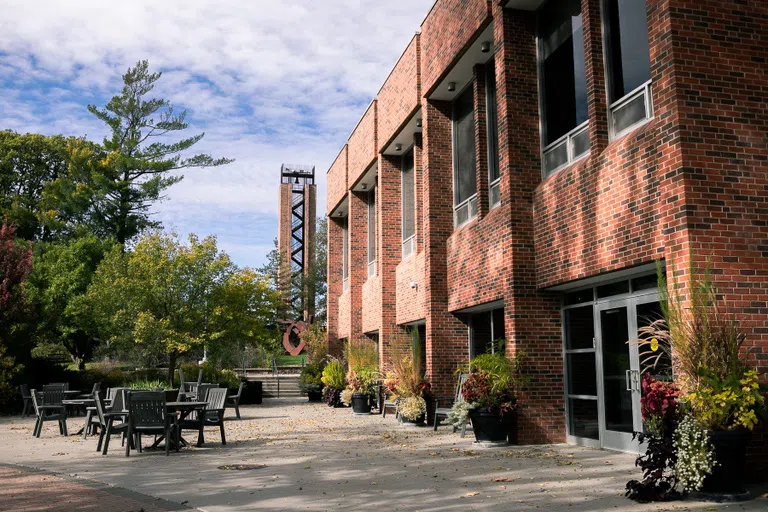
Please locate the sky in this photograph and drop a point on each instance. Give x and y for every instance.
(269, 82)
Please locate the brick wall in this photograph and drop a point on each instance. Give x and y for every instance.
(284, 240)
(410, 301)
(445, 33)
(335, 285)
(400, 95)
(363, 145)
(336, 180)
(389, 252)
(371, 299)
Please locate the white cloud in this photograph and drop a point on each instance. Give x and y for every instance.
(269, 82)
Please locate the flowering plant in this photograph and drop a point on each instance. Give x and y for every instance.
(695, 455)
(363, 380)
(659, 405)
(726, 403)
(346, 397)
(493, 383)
(413, 407)
(390, 382)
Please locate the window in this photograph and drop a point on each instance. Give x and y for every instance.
(345, 253)
(563, 83)
(628, 64)
(464, 182)
(372, 232)
(493, 134)
(408, 184)
(486, 329)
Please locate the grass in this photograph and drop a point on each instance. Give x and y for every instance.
(291, 360)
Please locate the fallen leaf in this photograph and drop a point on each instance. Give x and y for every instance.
(502, 479)
(470, 494)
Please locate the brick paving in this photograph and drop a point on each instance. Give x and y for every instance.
(31, 490)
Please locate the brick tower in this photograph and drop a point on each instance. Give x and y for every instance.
(295, 239)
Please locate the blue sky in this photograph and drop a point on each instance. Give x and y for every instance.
(269, 82)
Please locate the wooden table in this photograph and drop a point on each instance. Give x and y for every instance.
(86, 403)
(183, 409)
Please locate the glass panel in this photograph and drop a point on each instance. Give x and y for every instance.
(462, 214)
(629, 63)
(556, 157)
(648, 282)
(473, 208)
(481, 333)
(607, 290)
(628, 114)
(582, 421)
(493, 131)
(408, 247)
(580, 144)
(345, 248)
(408, 199)
(495, 194)
(658, 363)
(618, 400)
(465, 185)
(564, 83)
(371, 227)
(579, 328)
(582, 373)
(578, 297)
(498, 324)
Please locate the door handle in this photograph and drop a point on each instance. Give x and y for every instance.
(628, 379)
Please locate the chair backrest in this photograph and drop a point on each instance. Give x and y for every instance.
(202, 391)
(25, 391)
(118, 400)
(460, 384)
(240, 389)
(65, 385)
(36, 400)
(96, 388)
(53, 394)
(100, 408)
(217, 399)
(146, 408)
(182, 381)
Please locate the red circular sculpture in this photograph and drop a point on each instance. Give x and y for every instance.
(296, 327)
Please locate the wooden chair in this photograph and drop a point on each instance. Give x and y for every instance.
(234, 400)
(448, 403)
(49, 407)
(107, 424)
(147, 415)
(26, 397)
(211, 416)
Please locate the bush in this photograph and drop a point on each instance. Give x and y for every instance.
(311, 378)
(363, 381)
(211, 375)
(148, 384)
(333, 375)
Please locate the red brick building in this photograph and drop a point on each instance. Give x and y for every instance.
(522, 170)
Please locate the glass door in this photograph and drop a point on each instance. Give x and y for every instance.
(619, 371)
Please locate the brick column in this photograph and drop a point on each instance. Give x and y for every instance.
(597, 99)
(447, 342)
(358, 259)
(481, 141)
(335, 284)
(532, 318)
(390, 250)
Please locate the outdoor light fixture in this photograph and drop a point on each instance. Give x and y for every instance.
(451, 86)
(418, 123)
(485, 47)
(398, 147)
(365, 186)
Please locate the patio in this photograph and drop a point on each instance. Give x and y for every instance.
(327, 459)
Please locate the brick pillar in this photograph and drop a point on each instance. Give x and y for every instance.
(532, 318)
(481, 141)
(597, 99)
(358, 259)
(447, 342)
(389, 242)
(419, 192)
(335, 284)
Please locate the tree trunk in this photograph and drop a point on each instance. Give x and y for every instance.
(172, 366)
(81, 364)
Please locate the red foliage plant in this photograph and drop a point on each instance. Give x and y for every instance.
(659, 400)
(15, 265)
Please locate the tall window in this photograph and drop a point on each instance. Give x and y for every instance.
(493, 133)
(345, 252)
(464, 165)
(409, 204)
(485, 331)
(372, 232)
(563, 83)
(629, 64)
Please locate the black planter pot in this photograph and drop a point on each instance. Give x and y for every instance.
(418, 421)
(730, 456)
(315, 396)
(490, 427)
(361, 404)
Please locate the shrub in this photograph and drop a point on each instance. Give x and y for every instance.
(147, 384)
(310, 380)
(412, 408)
(333, 375)
(493, 382)
(346, 397)
(363, 381)
(359, 353)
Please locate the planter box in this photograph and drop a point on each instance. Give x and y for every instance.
(252, 392)
(489, 427)
(361, 404)
(730, 454)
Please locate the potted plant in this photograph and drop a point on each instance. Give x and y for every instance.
(411, 389)
(363, 384)
(490, 397)
(311, 381)
(333, 378)
(719, 395)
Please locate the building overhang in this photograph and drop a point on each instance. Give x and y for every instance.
(524, 5)
(341, 210)
(488, 306)
(604, 278)
(462, 72)
(403, 139)
(367, 180)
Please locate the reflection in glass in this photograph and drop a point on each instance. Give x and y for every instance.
(465, 185)
(618, 400)
(579, 328)
(582, 418)
(629, 62)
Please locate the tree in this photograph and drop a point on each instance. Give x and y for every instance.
(15, 265)
(113, 186)
(165, 299)
(57, 288)
(28, 163)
